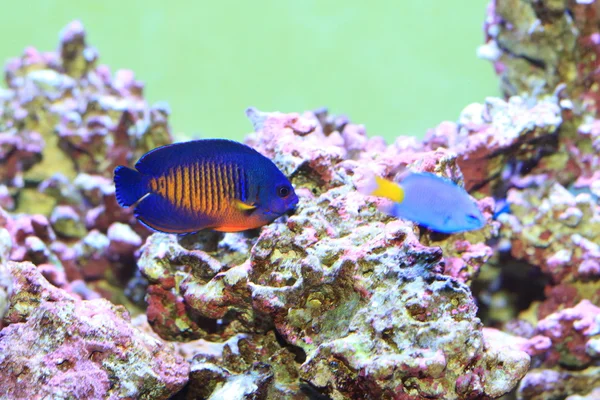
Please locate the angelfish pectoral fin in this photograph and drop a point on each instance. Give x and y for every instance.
(244, 206)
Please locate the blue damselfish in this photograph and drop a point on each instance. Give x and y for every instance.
(428, 200)
(204, 184)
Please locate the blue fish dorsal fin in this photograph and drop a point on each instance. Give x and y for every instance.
(156, 161)
(421, 177)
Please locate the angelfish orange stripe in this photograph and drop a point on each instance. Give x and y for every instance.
(186, 188)
(202, 189)
(162, 186)
(193, 187)
(231, 182)
(236, 183)
(226, 181)
(179, 192)
(171, 186)
(215, 188)
(209, 189)
(220, 195)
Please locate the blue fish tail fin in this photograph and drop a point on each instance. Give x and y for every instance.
(374, 185)
(368, 185)
(130, 185)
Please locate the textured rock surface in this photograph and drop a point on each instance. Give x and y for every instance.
(497, 140)
(65, 123)
(547, 52)
(338, 300)
(5, 289)
(558, 231)
(354, 292)
(58, 346)
(535, 46)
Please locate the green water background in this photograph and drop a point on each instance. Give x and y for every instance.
(399, 67)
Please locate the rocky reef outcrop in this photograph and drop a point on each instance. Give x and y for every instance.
(338, 300)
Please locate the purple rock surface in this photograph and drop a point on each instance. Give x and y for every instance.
(54, 344)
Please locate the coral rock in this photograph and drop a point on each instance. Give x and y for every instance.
(67, 223)
(55, 343)
(5, 290)
(491, 135)
(353, 291)
(551, 227)
(541, 384)
(65, 123)
(575, 335)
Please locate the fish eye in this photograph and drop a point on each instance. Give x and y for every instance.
(473, 218)
(283, 191)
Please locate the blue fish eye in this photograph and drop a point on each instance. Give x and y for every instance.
(283, 191)
(473, 218)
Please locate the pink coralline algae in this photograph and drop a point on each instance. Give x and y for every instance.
(5, 289)
(364, 305)
(558, 231)
(571, 339)
(546, 54)
(65, 123)
(337, 300)
(549, 50)
(57, 345)
(497, 134)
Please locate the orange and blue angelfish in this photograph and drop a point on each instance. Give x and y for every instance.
(429, 200)
(213, 184)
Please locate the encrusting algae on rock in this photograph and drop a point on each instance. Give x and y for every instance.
(337, 300)
(362, 304)
(60, 346)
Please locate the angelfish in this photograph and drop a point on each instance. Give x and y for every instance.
(429, 200)
(214, 184)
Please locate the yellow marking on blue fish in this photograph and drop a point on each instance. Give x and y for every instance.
(388, 189)
(243, 206)
(154, 184)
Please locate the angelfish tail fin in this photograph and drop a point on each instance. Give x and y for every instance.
(130, 185)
